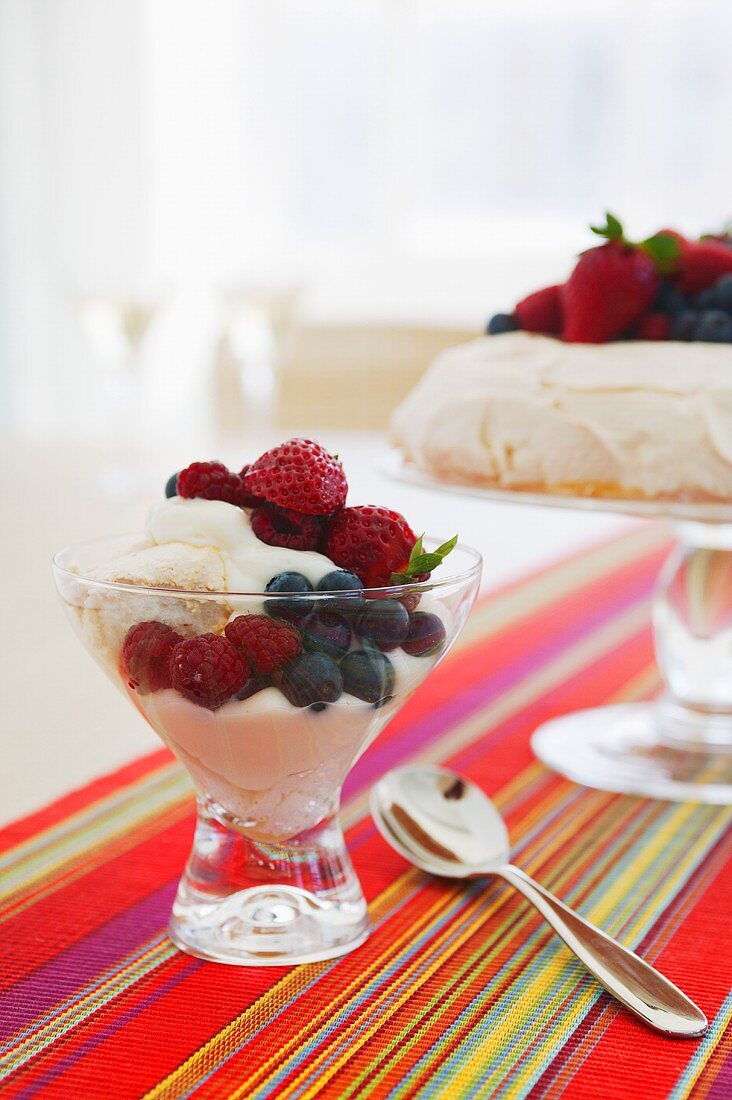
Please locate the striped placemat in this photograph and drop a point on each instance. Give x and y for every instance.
(460, 991)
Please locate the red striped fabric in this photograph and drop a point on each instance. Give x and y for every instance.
(460, 990)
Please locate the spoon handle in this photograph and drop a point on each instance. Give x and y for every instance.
(632, 981)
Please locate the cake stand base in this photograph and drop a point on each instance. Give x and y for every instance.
(641, 749)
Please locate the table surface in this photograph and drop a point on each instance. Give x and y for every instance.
(63, 722)
(460, 990)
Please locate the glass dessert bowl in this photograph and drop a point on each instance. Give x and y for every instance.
(268, 699)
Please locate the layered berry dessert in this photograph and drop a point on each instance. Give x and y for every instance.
(266, 630)
(617, 383)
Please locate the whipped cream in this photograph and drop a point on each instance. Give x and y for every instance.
(651, 419)
(249, 563)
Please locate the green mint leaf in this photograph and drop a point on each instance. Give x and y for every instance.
(400, 578)
(425, 563)
(446, 547)
(612, 230)
(663, 250)
(416, 549)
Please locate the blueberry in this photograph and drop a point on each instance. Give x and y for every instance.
(719, 296)
(714, 327)
(369, 675)
(670, 300)
(324, 632)
(385, 622)
(311, 679)
(171, 486)
(251, 687)
(426, 634)
(684, 325)
(502, 322)
(341, 580)
(289, 609)
(706, 299)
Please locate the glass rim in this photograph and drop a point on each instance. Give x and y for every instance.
(385, 591)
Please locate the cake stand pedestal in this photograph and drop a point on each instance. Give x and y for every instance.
(678, 747)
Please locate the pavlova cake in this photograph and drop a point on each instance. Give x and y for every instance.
(617, 383)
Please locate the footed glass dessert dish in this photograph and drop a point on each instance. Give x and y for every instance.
(267, 699)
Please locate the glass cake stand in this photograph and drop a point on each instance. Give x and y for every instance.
(679, 746)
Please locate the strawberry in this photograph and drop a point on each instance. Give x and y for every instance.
(541, 311)
(372, 542)
(614, 284)
(380, 547)
(299, 475)
(702, 263)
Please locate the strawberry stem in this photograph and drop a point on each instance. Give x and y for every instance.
(662, 249)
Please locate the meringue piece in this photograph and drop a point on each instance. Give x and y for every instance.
(108, 613)
(636, 419)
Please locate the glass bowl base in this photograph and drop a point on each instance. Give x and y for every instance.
(626, 749)
(268, 926)
(262, 902)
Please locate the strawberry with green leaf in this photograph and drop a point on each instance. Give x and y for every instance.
(421, 563)
(614, 284)
(378, 545)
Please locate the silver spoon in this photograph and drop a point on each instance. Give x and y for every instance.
(447, 826)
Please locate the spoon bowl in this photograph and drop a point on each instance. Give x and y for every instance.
(437, 817)
(446, 825)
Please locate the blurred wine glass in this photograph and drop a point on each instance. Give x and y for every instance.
(115, 328)
(259, 330)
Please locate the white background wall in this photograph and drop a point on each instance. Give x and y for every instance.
(399, 159)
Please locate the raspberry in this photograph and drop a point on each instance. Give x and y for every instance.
(282, 527)
(208, 670)
(267, 643)
(370, 541)
(145, 657)
(299, 475)
(211, 481)
(541, 311)
(654, 326)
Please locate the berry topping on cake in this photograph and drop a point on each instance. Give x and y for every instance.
(171, 486)
(541, 311)
(369, 675)
(312, 680)
(210, 481)
(502, 322)
(702, 263)
(145, 657)
(289, 609)
(283, 527)
(714, 326)
(654, 326)
(612, 285)
(268, 644)
(208, 670)
(656, 289)
(299, 475)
